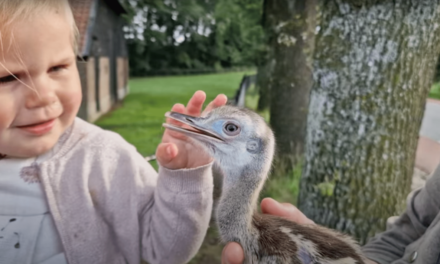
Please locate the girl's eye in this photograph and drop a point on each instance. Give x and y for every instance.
(8, 79)
(58, 68)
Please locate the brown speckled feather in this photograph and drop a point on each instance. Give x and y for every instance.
(330, 245)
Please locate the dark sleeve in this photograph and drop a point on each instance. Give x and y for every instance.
(422, 208)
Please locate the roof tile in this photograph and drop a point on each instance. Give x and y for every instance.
(81, 13)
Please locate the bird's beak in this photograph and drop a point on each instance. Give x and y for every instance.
(196, 128)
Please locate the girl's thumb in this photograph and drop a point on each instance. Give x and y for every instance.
(165, 153)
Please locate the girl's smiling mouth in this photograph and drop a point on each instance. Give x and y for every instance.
(39, 129)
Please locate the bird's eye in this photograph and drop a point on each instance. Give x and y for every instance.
(231, 129)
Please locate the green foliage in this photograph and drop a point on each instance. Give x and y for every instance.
(435, 91)
(251, 102)
(283, 187)
(238, 33)
(171, 35)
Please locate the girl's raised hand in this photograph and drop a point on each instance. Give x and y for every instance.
(176, 150)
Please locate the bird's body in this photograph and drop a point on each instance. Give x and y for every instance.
(243, 146)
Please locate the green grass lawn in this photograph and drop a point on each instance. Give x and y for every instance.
(139, 119)
(435, 91)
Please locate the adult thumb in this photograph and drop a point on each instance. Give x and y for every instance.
(286, 210)
(232, 254)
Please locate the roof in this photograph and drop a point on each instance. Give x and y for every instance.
(81, 12)
(84, 12)
(116, 6)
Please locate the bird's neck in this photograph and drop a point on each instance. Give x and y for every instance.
(238, 202)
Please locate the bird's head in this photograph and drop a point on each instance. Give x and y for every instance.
(234, 137)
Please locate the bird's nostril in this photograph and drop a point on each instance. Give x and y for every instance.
(189, 120)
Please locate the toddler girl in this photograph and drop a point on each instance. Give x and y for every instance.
(71, 192)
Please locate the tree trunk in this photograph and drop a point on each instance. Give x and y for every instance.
(266, 65)
(293, 27)
(373, 68)
(263, 83)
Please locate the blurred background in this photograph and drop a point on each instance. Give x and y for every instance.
(350, 88)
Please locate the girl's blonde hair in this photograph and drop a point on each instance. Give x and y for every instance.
(13, 10)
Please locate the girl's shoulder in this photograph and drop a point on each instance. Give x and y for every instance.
(88, 139)
(99, 137)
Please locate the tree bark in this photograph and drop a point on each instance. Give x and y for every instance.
(293, 29)
(373, 68)
(265, 67)
(264, 74)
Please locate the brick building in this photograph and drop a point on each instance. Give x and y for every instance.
(103, 55)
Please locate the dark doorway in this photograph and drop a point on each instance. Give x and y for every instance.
(96, 51)
(113, 66)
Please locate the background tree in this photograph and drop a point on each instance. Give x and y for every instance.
(373, 68)
(238, 32)
(290, 27)
(266, 61)
(176, 36)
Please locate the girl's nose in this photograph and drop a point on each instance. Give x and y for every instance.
(40, 94)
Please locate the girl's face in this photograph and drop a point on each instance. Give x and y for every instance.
(38, 107)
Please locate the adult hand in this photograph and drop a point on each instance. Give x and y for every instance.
(233, 252)
(177, 151)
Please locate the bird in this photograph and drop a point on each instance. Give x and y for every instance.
(242, 145)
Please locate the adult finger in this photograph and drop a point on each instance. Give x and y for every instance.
(232, 254)
(286, 210)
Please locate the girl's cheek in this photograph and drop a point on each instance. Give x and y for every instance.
(7, 110)
(71, 97)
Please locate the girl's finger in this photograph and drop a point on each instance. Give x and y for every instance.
(166, 152)
(195, 104)
(220, 100)
(180, 108)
